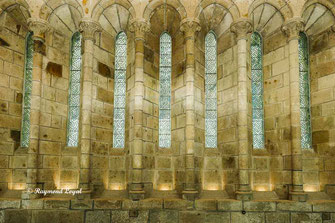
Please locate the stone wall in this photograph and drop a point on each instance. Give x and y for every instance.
(13, 160)
(167, 210)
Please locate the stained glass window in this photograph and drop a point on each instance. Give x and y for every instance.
(74, 91)
(120, 90)
(165, 91)
(305, 113)
(28, 73)
(210, 91)
(257, 91)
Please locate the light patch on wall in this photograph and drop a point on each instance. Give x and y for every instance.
(17, 186)
(116, 186)
(165, 187)
(262, 188)
(311, 188)
(68, 186)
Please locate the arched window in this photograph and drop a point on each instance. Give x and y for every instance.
(257, 91)
(210, 90)
(74, 91)
(165, 91)
(28, 73)
(305, 113)
(120, 90)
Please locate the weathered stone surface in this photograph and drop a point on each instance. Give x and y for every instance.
(177, 204)
(259, 206)
(229, 205)
(324, 206)
(293, 206)
(56, 204)
(107, 204)
(248, 217)
(98, 216)
(191, 217)
(168, 216)
(4, 204)
(81, 204)
(15, 216)
(124, 217)
(277, 217)
(202, 204)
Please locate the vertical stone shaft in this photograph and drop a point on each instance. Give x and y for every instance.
(139, 27)
(292, 29)
(190, 27)
(88, 29)
(38, 27)
(241, 29)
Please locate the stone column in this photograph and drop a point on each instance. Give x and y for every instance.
(136, 190)
(190, 27)
(241, 29)
(292, 29)
(38, 27)
(88, 28)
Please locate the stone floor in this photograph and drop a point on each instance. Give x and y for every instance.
(164, 211)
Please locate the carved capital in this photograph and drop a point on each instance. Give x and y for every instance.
(39, 27)
(190, 26)
(241, 28)
(88, 28)
(293, 27)
(139, 27)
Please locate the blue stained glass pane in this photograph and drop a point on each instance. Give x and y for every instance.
(74, 91)
(210, 90)
(28, 71)
(120, 90)
(165, 91)
(305, 117)
(257, 91)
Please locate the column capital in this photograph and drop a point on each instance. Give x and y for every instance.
(293, 27)
(241, 28)
(190, 26)
(139, 27)
(39, 27)
(88, 27)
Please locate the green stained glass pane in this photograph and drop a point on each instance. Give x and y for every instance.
(305, 117)
(28, 71)
(210, 90)
(257, 91)
(120, 90)
(165, 91)
(74, 91)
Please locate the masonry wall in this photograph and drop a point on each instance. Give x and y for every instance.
(322, 85)
(13, 159)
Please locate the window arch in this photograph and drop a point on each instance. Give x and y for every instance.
(120, 90)
(165, 91)
(304, 90)
(257, 90)
(28, 72)
(210, 90)
(74, 91)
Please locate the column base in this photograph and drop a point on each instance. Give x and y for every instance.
(190, 195)
(136, 195)
(244, 196)
(298, 196)
(85, 195)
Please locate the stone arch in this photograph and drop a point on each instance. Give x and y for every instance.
(327, 3)
(229, 5)
(318, 16)
(153, 5)
(100, 7)
(281, 5)
(21, 4)
(51, 6)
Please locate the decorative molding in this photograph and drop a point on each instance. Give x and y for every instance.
(139, 27)
(88, 28)
(241, 28)
(190, 26)
(293, 27)
(39, 27)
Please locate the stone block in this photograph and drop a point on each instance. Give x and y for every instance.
(59, 216)
(81, 204)
(229, 205)
(206, 204)
(56, 204)
(32, 204)
(293, 206)
(166, 216)
(277, 217)
(177, 204)
(107, 204)
(98, 216)
(324, 206)
(192, 217)
(15, 216)
(6, 204)
(54, 69)
(259, 206)
(248, 217)
(216, 217)
(127, 217)
(305, 217)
